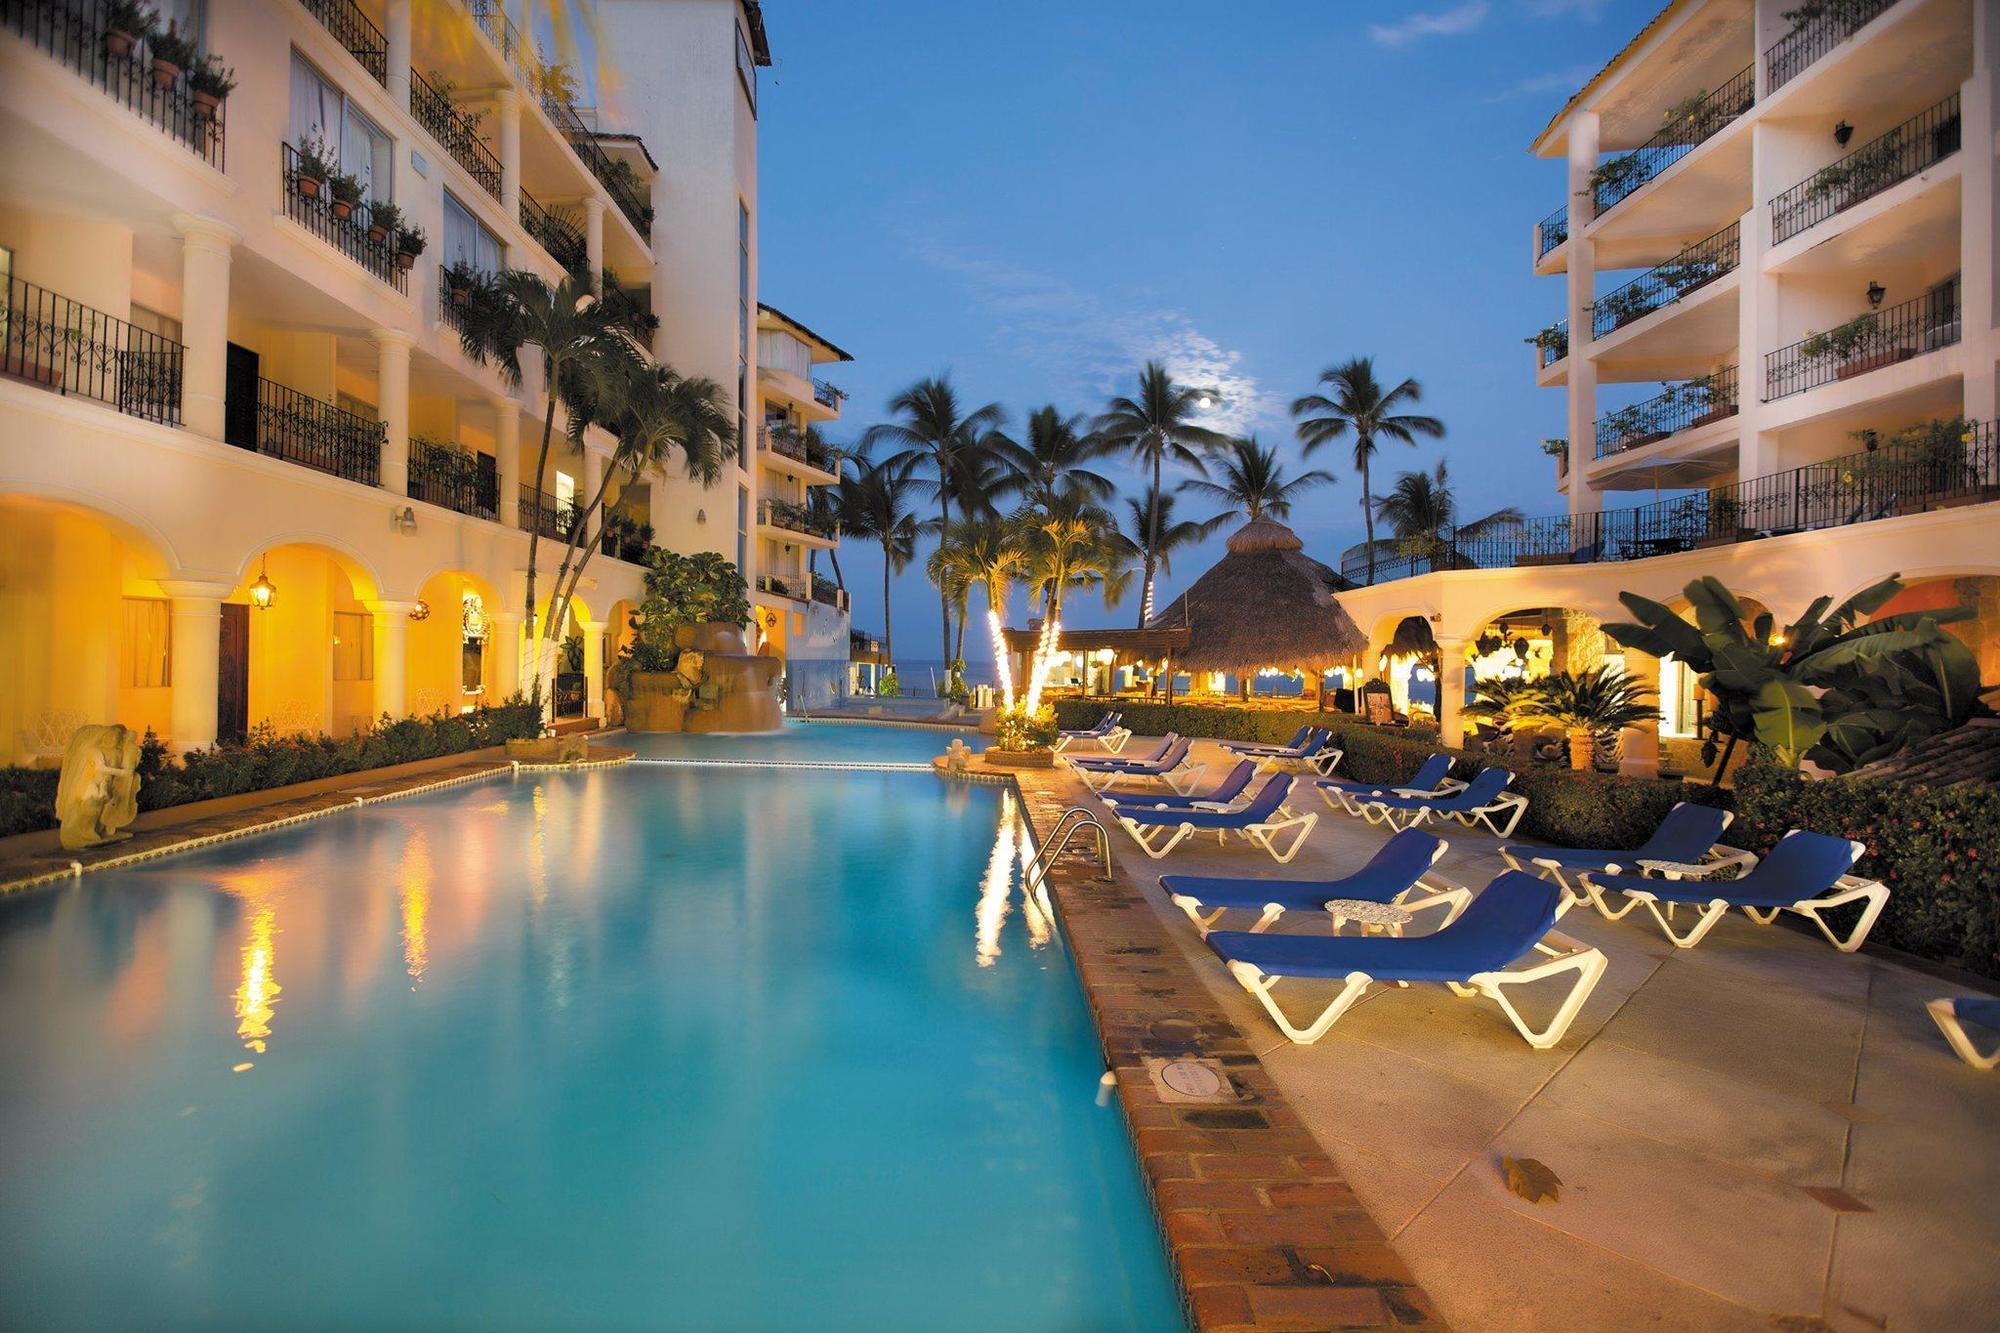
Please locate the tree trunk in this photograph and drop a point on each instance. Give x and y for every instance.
(535, 533)
(1152, 542)
(888, 642)
(1368, 517)
(839, 579)
(577, 549)
(944, 523)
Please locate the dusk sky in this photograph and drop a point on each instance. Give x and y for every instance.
(1037, 196)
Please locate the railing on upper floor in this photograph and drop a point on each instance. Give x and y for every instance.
(789, 516)
(316, 434)
(451, 303)
(1867, 342)
(453, 478)
(828, 395)
(774, 586)
(54, 343)
(1552, 231)
(357, 32)
(1798, 49)
(490, 16)
(1691, 125)
(1551, 344)
(1684, 406)
(1920, 142)
(562, 238)
(456, 130)
(618, 179)
(73, 33)
(1690, 270)
(630, 547)
(828, 593)
(316, 213)
(543, 513)
(793, 444)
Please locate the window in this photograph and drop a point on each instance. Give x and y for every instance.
(145, 653)
(565, 492)
(152, 321)
(746, 69)
(466, 241)
(321, 110)
(353, 645)
(743, 531)
(781, 351)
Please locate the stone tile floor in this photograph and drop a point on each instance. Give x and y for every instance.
(1755, 1131)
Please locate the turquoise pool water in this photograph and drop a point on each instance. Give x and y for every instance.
(654, 1047)
(809, 742)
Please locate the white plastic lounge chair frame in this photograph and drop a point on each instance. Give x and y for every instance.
(1322, 761)
(1563, 955)
(1350, 802)
(1718, 859)
(1499, 815)
(1436, 891)
(1945, 1015)
(1156, 840)
(1181, 778)
(1112, 738)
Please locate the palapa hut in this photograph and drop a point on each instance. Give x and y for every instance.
(1264, 604)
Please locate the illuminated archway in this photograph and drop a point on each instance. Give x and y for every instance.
(305, 659)
(453, 657)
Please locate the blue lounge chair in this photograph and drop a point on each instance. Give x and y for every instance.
(1103, 761)
(1432, 778)
(1951, 1016)
(1685, 844)
(1397, 869)
(1219, 797)
(1110, 732)
(1805, 873)
(1513, 917)
(1260, 823)
(1313, 748)
(1299, 737)
(1176, 767)
(1483, 800)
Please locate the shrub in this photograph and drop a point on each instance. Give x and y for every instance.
(1020, 730)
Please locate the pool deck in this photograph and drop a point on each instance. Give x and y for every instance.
(1759, 1132)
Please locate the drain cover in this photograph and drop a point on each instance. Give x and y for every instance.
(1190, 1081)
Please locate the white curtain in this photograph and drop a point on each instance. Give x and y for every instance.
(145, 647)
(316, 106)
(466, 242)
(368, 155)
(319, 110)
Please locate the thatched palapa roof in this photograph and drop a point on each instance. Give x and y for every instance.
(1264, 604)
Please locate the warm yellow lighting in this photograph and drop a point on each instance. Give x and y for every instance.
(257, 994)
(416, 906)
(1777, 638)
(995, 889)
(1001, 665)
(421, 611)
(1038, 673)
(263, 592)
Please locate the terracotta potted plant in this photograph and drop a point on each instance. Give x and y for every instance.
(209, 83)
(410, 243)
(125, 23)
(385, 220)
(314, 167)
(172, 53)
(1587, 704)
(459, 280)
(346, 192)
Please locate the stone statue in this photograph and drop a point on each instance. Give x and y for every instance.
(98, 793)
(956, 756)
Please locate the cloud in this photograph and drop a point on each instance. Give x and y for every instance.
(1444, 23)
(1088, 347)
(1561, 81)
(1588, 10)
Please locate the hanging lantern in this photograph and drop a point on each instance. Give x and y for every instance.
(421, 611)
(263, 592)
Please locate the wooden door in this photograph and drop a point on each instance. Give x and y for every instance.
(232, 677)
(239, 403)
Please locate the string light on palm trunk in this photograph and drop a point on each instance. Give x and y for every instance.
(1002, 667)
(1038, 672)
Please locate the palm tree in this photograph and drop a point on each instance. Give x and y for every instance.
(583, 351)
(876, 504)
(1073, 544)
(1359, 404)
(935, 432)
(1154, 535)
(1157, 425)
(1423, 513)
(975, 551)
(1054, 458)
(1253, 482)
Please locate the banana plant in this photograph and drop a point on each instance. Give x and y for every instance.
(1835, 687)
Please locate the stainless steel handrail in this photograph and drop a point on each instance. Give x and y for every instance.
(1058, 843)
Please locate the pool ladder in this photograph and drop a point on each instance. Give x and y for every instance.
(1074, 819)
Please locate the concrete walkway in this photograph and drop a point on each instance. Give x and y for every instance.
(1758, 1132)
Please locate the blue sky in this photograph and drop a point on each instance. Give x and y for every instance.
(1039, 195)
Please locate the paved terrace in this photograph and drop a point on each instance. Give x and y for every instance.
(1757, 1131)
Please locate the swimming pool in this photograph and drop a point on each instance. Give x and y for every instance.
(809, 742)
(653, 1046)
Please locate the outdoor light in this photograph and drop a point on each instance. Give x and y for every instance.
(405, 518)
(263, 592)
(1547, 629)
(1876, 291)
(421, 611)
(1842, 133)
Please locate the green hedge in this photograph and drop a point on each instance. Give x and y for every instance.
(27, 795)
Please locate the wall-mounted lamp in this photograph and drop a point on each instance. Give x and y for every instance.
(1842, 133)
(405, 518)
(421, 611)
(701, 516)
(263, 592)
(1876, 291)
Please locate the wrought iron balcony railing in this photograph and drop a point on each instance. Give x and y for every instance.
(776, 587)
(790, 517)
(490, 16)
(1684, 406)
(54, 343)
(346, 234)
(453, 478)
(558, 235)
(828, 395)
(72, 32)
(543, 513)
(793, 444)
(357, 32)
(1551, 344)
(1552, 231)
(456, 130)
(1920, 142)
(617, 178)
(316, 434)
(1691, 269)
(1689, 125)
(828, 593)
(1866, 342)
(1834, 23)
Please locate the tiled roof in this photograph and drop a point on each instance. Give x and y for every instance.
(1970, 753)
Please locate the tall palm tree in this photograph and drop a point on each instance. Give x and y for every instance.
(877, 504)
(1155, 425)
(1253, 483)
(1358, 403)
(1073, 544)
(1423, 513)
(971, 551)
(936, 432)
(1055, 456)
(1154, 535)
(582, 351)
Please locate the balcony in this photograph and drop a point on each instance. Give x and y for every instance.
(1684, 406)
(1918, 143)
(773, 586)
(796, 519)
(1551, 231)
(317, 434)
(1795, 52)
(453, 478)
(1690, 270)
(355, 31)
(828, 593)
(456, 131)
(544, 514)
(617, 178)
(786, 442)
(1866, 342)
(490, 16)
(317, 213)
(68, 348)
(1689, 125)
(826, 395)
(1551, 344)
(562, 238)
(72, 32)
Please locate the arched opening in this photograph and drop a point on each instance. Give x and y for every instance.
(574, 671)
(453, 657)
(1683, 703)
(298, 645)
(85, 629)
(1527, 644)
(1938, 592)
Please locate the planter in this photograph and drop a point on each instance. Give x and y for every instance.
(999, 758)
(1532, 561)
(342, 209)
(1710, 418)
(1640, 441)
(405, 260)
(1862, 365)
(549, 749)
(118, 44)
(308, 186)
(206, 105)
(656, 701)
(460, 295)
(165, 74)
(1582, 751)
(378, 233)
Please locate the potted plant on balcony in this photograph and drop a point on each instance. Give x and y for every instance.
(314, 166)
(1552, 342)
(1628, 428)
(1857, 345)
(209, 83)
(460, 278)
(1617, 178)
(410, 242)
(125, 23)
(384, 221)
(346, 192)
(172, 53)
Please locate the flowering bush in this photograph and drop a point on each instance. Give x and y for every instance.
(1022, 730)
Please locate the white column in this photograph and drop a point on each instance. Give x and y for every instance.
(593, 669)
(1582, 290)
(507, 106)
(504, 629)
(1639, 753)
(1979, 104)
(507, 458)
(1451, 692)
(195, 652)
(593, 240)
(1756, 315)
(205, 255)
(586, 488)
(393, 386)
(396, 27)
(392, 639)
